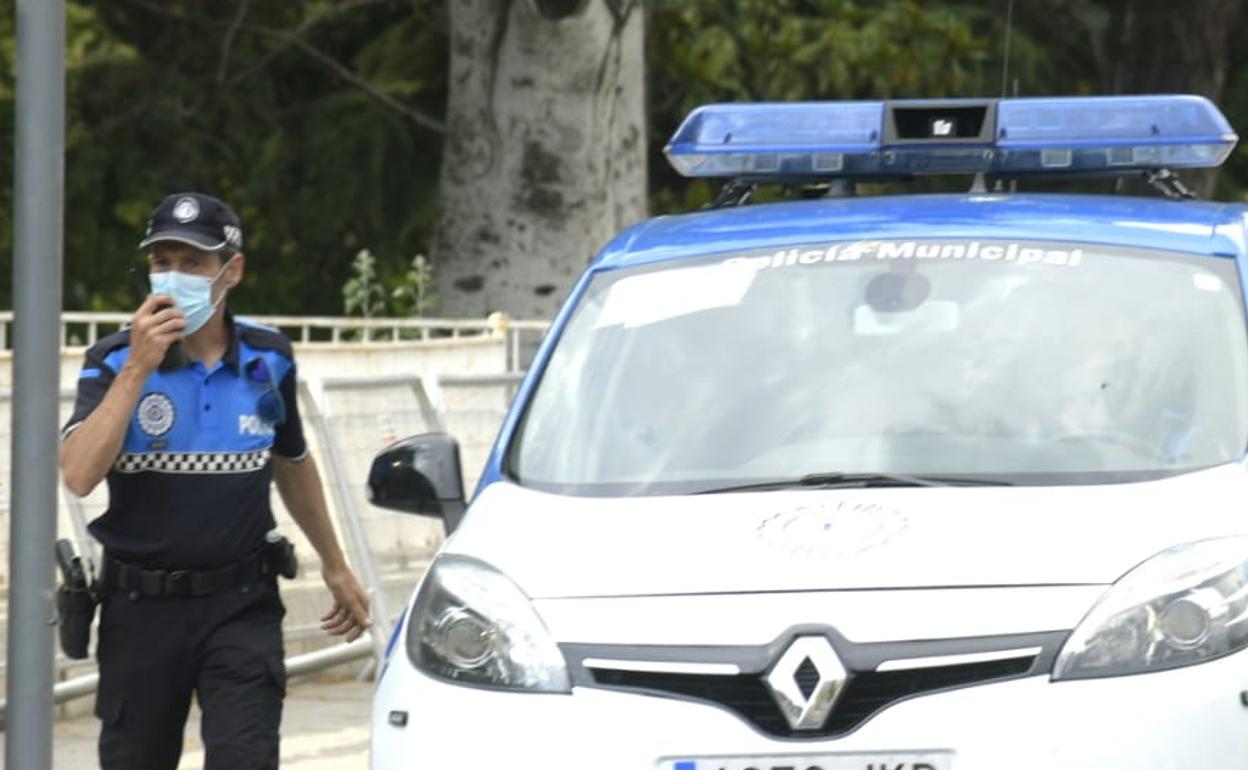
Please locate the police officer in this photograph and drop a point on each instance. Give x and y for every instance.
(190, 413)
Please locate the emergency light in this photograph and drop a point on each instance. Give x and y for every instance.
(880, 139)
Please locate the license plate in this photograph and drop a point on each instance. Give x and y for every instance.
(928, 760)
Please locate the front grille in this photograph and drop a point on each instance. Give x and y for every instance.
(871, 691)
(866, 692)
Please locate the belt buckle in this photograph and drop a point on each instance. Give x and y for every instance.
(178, 583)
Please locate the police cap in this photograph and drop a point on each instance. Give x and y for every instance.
(197, 220)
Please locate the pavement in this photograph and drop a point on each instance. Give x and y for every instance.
(324, 727)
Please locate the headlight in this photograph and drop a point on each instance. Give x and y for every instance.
(1184, 606)
(471, 624)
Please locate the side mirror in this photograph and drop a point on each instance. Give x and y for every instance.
(420, 474)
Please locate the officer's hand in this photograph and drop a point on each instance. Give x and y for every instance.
(349, 615)
(156, 325)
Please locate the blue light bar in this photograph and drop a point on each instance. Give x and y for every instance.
(777, 138)
(824, 140)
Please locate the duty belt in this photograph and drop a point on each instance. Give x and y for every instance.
(118, 575)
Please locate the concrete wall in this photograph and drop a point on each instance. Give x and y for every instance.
(359, 421)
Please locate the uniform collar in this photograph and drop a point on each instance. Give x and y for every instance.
(230, 358)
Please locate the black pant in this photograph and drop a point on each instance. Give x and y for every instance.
(154, 652)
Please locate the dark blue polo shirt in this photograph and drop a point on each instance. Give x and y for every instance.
(191, 486)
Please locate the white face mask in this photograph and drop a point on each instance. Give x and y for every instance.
(191, 293)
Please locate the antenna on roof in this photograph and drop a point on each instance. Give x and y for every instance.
(1014, 182)
(1005, 79)
(1005, 62)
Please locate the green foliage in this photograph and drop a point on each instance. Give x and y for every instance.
(1233, 180)
(313, 116)
(362, 293)
(704, 51)
(415, 296)
(272, 110)
(371, 295)
(810, 49)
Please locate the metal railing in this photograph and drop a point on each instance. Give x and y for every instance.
(387, 557)
(83, 329)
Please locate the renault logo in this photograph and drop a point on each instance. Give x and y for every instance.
(806, 681)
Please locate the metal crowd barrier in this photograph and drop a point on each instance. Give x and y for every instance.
(404, 543)
(84, 328)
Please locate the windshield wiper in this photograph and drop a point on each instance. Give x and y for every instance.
(836, 479)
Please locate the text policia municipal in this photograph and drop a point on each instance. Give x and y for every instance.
(890, 250)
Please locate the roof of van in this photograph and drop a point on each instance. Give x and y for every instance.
(1188, 226)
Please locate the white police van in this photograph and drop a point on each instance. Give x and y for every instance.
(908, 482)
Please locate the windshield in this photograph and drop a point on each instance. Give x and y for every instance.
(1010, 361)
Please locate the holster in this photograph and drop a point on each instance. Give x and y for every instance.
(75, 606)
(75, 601)
(279, 556)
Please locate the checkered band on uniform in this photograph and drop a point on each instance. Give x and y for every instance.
(193, 462)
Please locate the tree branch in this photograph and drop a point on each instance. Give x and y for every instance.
(620, 11)
(498, 35)
(418, 117)
(303, 28)
(293, 38)
(228, 42)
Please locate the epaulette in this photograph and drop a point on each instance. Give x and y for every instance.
(262, 337)
(105, 345)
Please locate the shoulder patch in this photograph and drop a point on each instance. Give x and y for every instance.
(156, 414)
(259, 337)
(112, 342)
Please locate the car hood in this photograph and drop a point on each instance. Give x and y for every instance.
(556, 546)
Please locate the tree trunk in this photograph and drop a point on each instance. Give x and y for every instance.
(545, 156)
(1165, 47)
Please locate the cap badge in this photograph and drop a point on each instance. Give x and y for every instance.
(186, 209)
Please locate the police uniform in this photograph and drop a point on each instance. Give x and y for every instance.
(190, 605)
